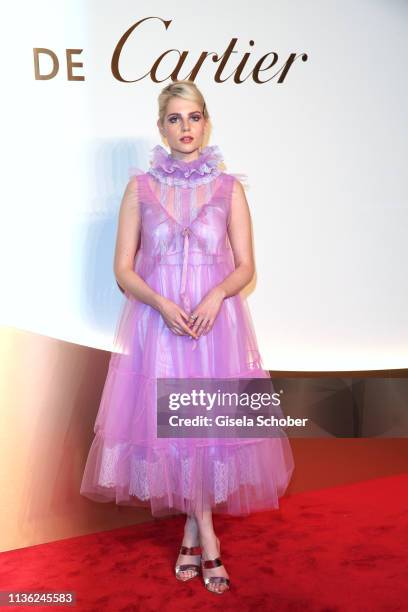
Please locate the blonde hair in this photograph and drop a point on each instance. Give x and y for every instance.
(185, 89)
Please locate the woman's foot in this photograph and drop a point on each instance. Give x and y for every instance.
(190, 540)
(210, 545)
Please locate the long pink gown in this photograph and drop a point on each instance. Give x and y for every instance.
(184, 252)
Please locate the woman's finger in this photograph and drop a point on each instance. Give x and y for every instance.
(195, 319)
(202, 324)
(187, 329)
(184, 314)
(208, 326)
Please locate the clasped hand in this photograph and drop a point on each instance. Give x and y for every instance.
(199, 321)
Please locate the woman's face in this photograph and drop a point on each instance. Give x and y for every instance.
(183, 119)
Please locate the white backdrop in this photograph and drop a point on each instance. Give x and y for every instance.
(325, 153)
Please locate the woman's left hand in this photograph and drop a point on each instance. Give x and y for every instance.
(206, 311)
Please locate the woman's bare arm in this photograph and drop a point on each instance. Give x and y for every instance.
(128, 234)
(239, 233)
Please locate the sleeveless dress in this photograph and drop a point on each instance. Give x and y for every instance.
(184, 252)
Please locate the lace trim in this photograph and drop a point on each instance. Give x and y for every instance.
(171, 171)
(147, 480)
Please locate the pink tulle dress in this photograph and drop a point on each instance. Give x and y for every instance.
(184, 252)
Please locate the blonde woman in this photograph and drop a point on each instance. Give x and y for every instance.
(183, 254)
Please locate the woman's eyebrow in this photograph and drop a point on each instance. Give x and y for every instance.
(192, 113)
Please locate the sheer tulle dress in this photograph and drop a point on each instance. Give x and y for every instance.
(184, 252)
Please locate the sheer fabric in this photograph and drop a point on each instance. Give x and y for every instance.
(184, 251)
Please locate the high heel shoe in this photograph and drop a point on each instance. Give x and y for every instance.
(185, 550)
(208, 564)
(214, 579)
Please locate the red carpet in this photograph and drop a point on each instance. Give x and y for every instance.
(339, 549)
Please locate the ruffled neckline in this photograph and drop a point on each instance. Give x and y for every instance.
(167, 169)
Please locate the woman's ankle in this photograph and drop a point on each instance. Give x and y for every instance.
(210, 545)
(191, 533)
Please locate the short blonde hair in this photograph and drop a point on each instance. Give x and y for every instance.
(185, 89)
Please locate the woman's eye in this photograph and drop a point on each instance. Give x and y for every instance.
(195, 117)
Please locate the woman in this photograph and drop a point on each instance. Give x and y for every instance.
(183, 254)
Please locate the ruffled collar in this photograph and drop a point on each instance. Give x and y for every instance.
(167, 169)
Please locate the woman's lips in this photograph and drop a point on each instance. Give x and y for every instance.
(186, 139)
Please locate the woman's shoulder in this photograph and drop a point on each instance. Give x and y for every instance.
(134, 172)
(237, 181)
(137, 182)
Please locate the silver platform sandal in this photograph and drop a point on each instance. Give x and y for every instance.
(209, 563)
(185, 550)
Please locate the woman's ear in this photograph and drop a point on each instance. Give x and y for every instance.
(159, 125)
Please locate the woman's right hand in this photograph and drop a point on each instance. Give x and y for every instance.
(175, 318)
